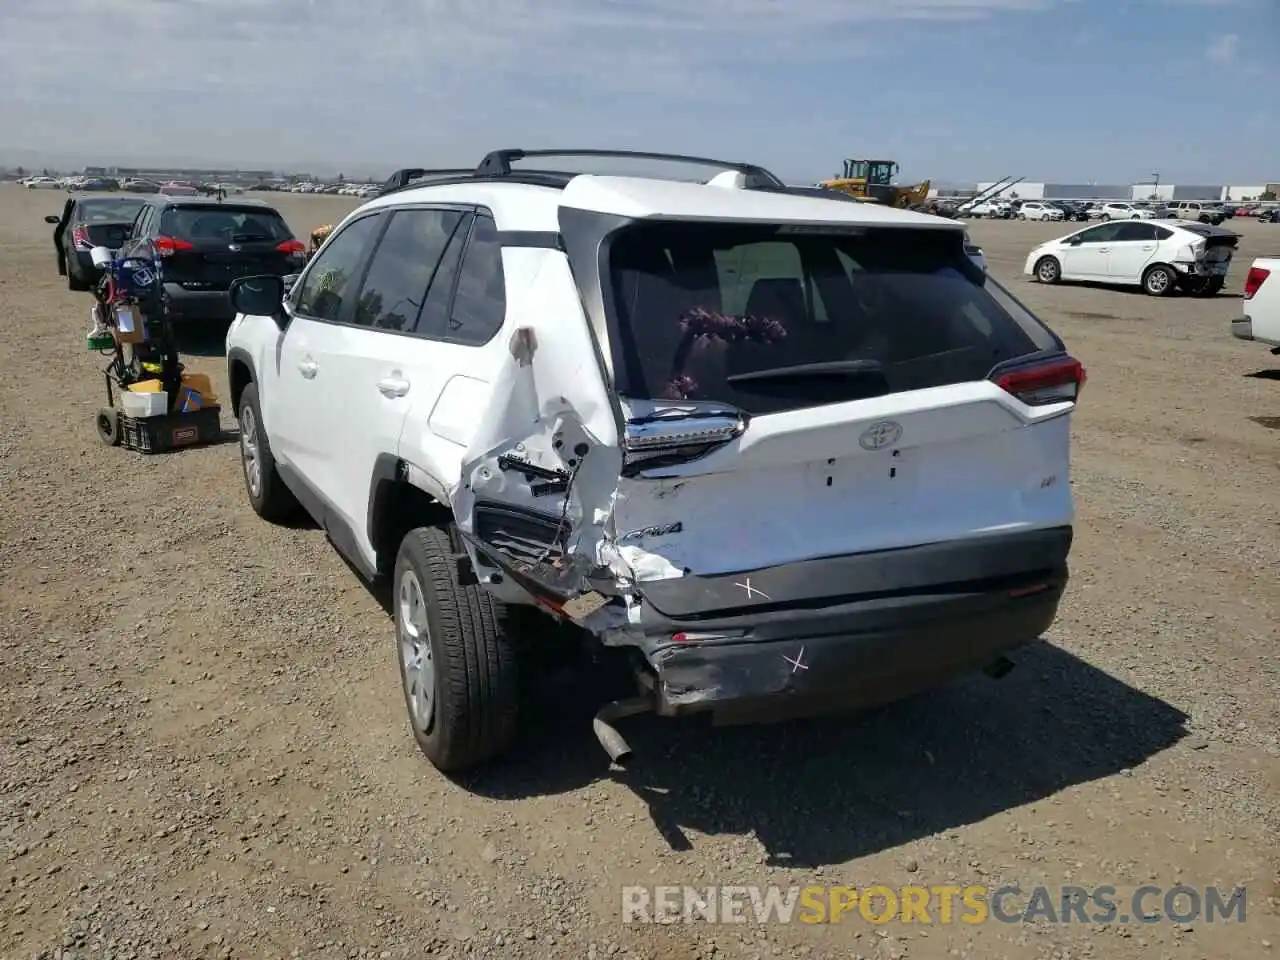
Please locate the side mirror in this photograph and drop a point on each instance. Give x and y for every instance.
(260, 296)
(1075, 241)
(52, 218)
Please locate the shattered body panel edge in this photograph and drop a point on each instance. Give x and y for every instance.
(547, 450)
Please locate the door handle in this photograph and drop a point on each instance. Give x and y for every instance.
(309, 368)
(1104, 249)
(1149, 247)
(393, 386)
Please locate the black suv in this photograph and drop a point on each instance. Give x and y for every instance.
(202, 245)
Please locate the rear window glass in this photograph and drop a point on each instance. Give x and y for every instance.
(772, 321)
(222, 222)
(108, 211)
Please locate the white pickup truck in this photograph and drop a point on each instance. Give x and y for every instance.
(1261, 320)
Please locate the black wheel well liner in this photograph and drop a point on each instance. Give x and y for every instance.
(240, 374)
(397, 506)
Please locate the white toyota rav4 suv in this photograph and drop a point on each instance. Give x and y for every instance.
(787, 454)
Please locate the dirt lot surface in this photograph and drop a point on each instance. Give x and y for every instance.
(205, 750)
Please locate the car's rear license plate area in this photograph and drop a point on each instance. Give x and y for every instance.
(875, 481)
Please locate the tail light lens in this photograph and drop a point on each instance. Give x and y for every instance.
(80, 237)
(1049, 381)
(677, 433)
(1254, 280)
(168, 246)
(292, 247)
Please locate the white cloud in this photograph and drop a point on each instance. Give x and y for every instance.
(402, 75)
(1225, 49)
(434, 46)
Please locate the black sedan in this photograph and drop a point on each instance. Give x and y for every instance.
(1271, 215)
(85, 223)
(1072, 210)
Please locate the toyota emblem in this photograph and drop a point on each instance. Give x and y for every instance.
(880, 435)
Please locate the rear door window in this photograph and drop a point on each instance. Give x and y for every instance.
(772, 321)
(479, 298)
(224, 224)
(1135, 231)
(400, 271)
(433, 319)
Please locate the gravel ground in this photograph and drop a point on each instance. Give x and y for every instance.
(205, 750)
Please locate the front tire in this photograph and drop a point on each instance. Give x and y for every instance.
(1160, 281)
(1048, 270)
(458, 667)
(269, 497)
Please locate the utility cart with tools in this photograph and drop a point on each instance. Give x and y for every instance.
(153, 405)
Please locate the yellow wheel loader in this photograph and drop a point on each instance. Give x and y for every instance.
(872, 180)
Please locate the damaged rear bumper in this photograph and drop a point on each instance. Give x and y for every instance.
(853, 632)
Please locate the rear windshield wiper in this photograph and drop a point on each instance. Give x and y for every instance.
(806, 371)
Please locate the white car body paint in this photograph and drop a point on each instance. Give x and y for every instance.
(1101, 257)
(1261, 314)
(963, 461)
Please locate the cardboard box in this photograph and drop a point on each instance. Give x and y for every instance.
(128, 325)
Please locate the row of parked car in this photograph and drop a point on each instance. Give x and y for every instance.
(183, 188)
(362, 190)
(134, 185)
(1083, 211)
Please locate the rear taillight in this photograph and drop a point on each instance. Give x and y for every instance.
(293, 247)
(1051, 381)
(677, 435)
(168, 246)
(1254, 280)
(80, 237)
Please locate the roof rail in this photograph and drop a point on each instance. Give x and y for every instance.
(402, 177)
(498, 163)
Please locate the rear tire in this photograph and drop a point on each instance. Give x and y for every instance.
(269, 497)
(108, 426)
(1160, 281)
(1048, 270)
(458, 668)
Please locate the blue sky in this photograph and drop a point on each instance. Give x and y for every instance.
(956, 90)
